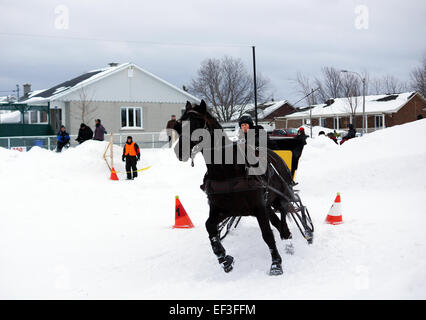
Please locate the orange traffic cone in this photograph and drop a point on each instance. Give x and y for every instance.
(181, 217)
(113, 174)
(335, 213)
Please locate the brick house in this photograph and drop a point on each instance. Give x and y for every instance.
(267, 112)
(381, 111)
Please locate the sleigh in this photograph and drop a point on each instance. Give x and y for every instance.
(282, 146)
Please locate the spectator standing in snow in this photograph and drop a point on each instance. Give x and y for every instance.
(169, 129)
(63, 139)
(297, 151)
(131, 154)
(99, 131)
(84, 134)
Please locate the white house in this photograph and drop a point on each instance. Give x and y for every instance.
(127, 98)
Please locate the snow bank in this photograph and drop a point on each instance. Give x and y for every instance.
(10, 117)
(67, 231)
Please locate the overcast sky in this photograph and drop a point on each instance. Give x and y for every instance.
(170, 38)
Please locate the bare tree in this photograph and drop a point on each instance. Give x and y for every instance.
(85, 106)
(304, 87)
(227, 86)
(391, 85)
(351, 90)
(376, 86)
(418, 78)
(330, 85)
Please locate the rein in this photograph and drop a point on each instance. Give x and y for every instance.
(265, 183)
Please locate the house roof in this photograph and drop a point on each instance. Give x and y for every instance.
(387, 103)
(264, 109)
(66, 87)
(267, 108)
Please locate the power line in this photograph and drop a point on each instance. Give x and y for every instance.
(154, 43)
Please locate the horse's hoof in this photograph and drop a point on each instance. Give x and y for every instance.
(276, 269)
(227, 263)
(309, 237)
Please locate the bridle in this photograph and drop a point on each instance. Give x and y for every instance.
(196, 149)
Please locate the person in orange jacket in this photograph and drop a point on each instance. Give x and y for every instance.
(131, 154)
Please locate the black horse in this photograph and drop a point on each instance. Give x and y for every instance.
(233, 192)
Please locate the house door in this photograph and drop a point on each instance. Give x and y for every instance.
(56, 119)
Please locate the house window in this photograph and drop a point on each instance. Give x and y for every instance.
(323, 122)
(131, 117)
(35, 117)
(337, 123)
(378, 121)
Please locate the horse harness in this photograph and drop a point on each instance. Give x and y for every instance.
(239, 184)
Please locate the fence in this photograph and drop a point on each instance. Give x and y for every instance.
(143, 139)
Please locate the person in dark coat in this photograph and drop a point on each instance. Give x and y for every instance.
(297, 151)
(351, 132)
(63, 139)
(84, 134)
(169, 129)
(99, 131)
(131, 154)
(246, 123)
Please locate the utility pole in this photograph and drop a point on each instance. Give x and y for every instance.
(255, 84)
(310, 112)
(363, 106)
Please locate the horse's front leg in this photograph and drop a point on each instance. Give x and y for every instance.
(268, 237)
(211, 226)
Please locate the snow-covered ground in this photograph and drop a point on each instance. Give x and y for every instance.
(67, 231)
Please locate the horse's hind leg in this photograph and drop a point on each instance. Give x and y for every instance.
(211, 226)
(286, 234)
(268, 237)
(282, 227)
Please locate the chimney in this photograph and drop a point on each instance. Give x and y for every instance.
(329, 102)
(27, 89)
(113, 64)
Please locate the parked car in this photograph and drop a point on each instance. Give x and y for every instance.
(284, 133)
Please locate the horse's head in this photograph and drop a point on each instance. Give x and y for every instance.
(195, 117)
